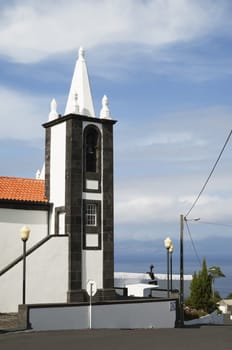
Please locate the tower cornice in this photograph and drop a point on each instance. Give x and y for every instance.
(80, 117)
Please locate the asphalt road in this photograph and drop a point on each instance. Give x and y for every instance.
(206, 337)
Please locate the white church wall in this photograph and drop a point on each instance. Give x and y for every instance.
(46, 278)
(11, 221)
(135, 315)
(57, 168)
(156, 314)
(92, 267)
(57, 171)
(61, 224)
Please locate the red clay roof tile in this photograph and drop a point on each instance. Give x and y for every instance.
(15, 188)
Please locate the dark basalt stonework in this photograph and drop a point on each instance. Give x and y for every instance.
(74, 203)
(108, 210)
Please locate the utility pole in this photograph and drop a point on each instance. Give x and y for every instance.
(182, 270)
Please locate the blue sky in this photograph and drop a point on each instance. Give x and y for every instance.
(166, 67)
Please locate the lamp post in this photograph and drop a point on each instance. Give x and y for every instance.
(167, 245)
(24, 234)
(182, 220)
(171, 250)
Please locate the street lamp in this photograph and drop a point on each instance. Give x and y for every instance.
(167, 245)
(24, 234)
(171, 250)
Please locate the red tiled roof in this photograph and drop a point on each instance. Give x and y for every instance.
(15, 188)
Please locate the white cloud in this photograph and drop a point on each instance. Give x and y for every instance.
(31, 31)
(165, 165)
(150, 208)
(162, 199)
(187, 138)
(143, 208)
(170, 138)
(22, 115)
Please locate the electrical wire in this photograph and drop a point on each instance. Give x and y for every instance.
(191, 239)
(193, 244)
(215, 223)
(211, 173)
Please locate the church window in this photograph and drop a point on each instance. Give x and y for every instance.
(91, 215)
(92, 150)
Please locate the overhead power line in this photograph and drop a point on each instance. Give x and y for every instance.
(211, 173)
(215, 223)
(193, 244)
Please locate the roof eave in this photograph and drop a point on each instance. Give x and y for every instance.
(24, 204)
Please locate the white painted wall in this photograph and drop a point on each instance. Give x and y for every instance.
(92, 196)
(223, 308)
(61, 223)
(127, 315)
(224, 305)
(122, 279)
(135, 315)
(140, 289)
(57, 168)
(46, 280)
(92, 262)
(11, 221)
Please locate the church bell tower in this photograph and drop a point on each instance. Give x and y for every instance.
(79, 184)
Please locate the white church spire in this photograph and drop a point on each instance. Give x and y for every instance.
(80, 86)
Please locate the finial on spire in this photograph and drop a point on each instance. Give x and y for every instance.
(37, 175)
(81, 53)
(76, 105)
(53, 112)
(105, 112)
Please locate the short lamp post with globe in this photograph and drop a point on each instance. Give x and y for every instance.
(171, 250)
(167, 245)
(24, 234)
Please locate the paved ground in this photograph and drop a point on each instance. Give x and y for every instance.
(203, 338)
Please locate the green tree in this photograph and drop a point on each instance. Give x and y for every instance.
(193, 299)
(205, 290)
(217, 296)
(215, 272)
(229, 296)
(201, 290)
